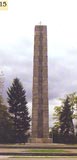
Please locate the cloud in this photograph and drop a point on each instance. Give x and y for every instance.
(16, 61)
(62, 76)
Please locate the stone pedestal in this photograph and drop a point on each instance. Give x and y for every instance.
(41, 140)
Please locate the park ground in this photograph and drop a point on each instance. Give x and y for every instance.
(5, 150)
(36, 158)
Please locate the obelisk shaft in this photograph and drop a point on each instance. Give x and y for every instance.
(40, 118)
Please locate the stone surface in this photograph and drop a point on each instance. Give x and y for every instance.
(37, 158)
(40, 117)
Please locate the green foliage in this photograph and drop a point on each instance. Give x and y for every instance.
(65, 112)
(63, 127)
(66, 123)
(19, 110)
(56, 115)
(57, 111)
(5, 124)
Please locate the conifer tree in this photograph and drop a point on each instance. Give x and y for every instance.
(19, 110)
(66, 119)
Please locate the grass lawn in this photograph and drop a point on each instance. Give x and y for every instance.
(47, 150)
(43, 157)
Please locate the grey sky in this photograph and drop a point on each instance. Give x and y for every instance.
(17, 41)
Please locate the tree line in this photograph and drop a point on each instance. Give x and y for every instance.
(64, 130)
(15, 119)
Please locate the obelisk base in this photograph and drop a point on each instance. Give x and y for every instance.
(41, 140)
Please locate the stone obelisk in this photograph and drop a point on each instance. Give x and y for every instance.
(40, 117)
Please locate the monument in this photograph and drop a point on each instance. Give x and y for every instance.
(40, 117)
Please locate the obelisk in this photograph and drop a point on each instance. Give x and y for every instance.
(40, 117)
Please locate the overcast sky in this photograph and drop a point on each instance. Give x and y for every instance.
(17, 43)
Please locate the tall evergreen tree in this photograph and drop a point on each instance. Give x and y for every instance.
(66, 122)
(19, 110)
